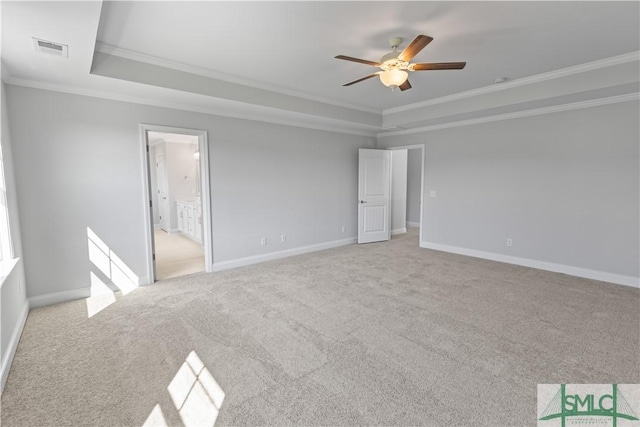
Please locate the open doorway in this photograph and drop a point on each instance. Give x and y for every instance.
(177, 189)
(407, 177)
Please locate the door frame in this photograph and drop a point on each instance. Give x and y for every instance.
(205, 193)
(423, 151)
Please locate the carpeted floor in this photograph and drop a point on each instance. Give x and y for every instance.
(377, 334)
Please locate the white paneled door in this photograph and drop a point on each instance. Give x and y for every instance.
(374, 195)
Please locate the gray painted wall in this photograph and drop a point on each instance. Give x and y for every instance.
(79, 165)
(564, 186)
(414, 176)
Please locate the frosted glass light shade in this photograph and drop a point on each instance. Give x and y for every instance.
(393, 77)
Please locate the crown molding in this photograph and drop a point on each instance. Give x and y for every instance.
(519, 114)
(577, 69)
(287, 119)
(179, 66)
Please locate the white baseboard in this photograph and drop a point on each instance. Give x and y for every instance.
(74, 294)
(413, 224)
(586, 273)
(398, 231)
(7, 360)
(156, 226)
(241, 262)
(58, 297)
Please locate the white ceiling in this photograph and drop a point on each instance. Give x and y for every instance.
(289, 48)
(292, 45)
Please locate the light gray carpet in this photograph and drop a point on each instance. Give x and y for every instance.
(360, 335)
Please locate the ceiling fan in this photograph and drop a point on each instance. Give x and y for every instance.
(394, 65)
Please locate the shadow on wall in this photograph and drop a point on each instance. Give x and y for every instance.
(113, 270)
(195, 394)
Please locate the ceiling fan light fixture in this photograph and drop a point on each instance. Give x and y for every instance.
(393, 77)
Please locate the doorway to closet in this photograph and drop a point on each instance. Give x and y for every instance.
(407, 176)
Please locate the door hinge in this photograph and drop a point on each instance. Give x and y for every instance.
(147, 148)
(153, 256)
(150, 203)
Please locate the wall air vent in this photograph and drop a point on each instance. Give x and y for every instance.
(51, 48)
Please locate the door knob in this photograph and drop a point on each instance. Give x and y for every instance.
(362, 201)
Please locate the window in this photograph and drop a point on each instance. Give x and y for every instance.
(6, 252)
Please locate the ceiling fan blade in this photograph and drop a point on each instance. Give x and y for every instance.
(406, 85)
(416, 46)
(439, 66)
(364, 78)
(362, 61)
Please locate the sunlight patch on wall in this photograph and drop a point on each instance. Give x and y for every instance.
(113, 268)
(110, 264)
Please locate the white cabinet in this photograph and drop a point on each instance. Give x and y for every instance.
(190, 219)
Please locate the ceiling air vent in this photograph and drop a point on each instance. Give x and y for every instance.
(51, 48)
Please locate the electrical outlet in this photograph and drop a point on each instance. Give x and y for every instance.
(283, 238)
(344, 229)
(263, 241)
(509, 242)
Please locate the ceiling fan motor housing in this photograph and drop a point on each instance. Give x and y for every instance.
(390, 60)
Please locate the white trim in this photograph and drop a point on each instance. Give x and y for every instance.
(519, 114)
(398, 231)
(413, 224)
(58, 297)
(179, 66)
(7, 360)
(241, 262)
(74, 294)
(294, 119)
(603, 276)
(589, 66)
(6, 268)
(205, 201)
(205, 194)
(149, 232)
